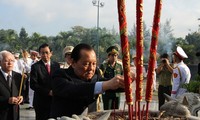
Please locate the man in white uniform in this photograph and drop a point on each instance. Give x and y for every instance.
(181, 73)
(16, 63)
(25, 64)
(34, 58)
(67, 54)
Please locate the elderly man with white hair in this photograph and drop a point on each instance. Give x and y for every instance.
(9, 88)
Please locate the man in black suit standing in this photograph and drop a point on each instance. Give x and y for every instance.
(78, 86)
(40, 82)
(9, 88)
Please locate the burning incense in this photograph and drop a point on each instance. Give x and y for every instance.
(152, 56)
(125, 56)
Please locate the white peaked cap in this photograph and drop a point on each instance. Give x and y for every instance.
(16, 54)
(68, 49)
(180, 53)
(34, 52)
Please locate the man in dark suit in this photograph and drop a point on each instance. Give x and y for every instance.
(9, 88)
(78, 86)
(40, 82)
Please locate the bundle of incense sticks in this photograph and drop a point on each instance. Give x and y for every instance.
(126, 56)
(139, 55)
(152, 56)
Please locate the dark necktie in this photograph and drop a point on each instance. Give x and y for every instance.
(48, 68)
(9, 80)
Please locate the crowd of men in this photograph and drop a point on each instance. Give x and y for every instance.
(65, 89)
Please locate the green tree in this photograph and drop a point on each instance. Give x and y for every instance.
(23, 39)
(194, 38)
(186, 47)
(192, 46)
(107, 38)
(8, 40)
(58, 44)
(35, 40)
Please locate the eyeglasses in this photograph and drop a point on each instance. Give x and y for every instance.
(8, 61)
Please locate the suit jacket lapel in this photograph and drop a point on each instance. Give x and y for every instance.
(52, 67)
(3, 80)
(14, 87)
(43, 67)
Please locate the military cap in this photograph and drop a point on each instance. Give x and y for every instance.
(33, 52)
(67, 49)
(180, 53)
(112, 50)
(16, 55)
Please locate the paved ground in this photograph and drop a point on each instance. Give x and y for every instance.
(30, 114)
(26, 114)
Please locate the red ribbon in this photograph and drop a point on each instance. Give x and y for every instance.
(153, 49)
(125, 56)
(139, 50)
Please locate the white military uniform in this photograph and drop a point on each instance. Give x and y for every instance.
(67, 49)
(25, 63)
(17, 63)
(31, 92)
(181, 75)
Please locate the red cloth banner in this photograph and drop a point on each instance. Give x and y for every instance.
(153, 49)
(125, 51)
(139, 49)
(125, 56)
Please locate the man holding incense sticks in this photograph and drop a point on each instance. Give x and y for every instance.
(78, 86)
(10, 82)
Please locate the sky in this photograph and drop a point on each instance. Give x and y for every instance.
(49, 17)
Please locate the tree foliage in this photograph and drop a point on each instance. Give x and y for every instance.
(12, 41)
(8, 39)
